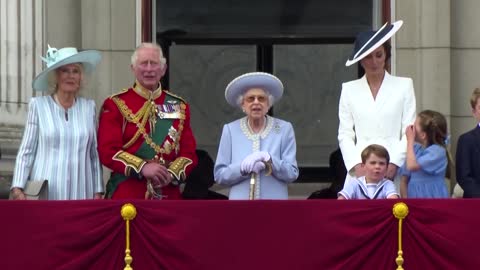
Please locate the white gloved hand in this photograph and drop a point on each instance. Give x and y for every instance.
(262, 156)
(258, 167)
(248, 163)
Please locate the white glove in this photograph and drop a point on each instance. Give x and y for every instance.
(248, 163)
(258, 167)
(262, 156)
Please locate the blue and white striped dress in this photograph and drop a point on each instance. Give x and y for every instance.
(63, 152)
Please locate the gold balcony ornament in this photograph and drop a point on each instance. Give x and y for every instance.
(128, 213)
(400, 211)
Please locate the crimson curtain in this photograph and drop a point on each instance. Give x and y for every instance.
(313, 234)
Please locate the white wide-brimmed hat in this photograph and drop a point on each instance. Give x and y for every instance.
(366, 42)
(262, 80)
(56, 58)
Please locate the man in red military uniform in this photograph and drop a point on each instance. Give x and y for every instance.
(144, 134)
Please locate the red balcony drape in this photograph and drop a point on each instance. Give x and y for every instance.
(315, 234)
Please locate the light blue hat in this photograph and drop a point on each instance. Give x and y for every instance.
(56, 58)
(262, 80)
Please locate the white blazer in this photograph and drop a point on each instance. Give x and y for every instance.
(365, 120)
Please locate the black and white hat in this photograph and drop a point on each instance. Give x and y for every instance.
(366, 42)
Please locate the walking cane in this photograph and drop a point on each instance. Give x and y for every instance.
(253, 183)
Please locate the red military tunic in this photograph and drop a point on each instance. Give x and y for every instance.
(130, 122)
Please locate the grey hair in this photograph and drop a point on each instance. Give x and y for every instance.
(271, 100)
(161, 59)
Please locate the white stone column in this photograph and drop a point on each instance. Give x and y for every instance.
(21, 45)
(21, 40)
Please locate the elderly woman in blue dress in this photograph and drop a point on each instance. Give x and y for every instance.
(59, 143)
(256, 144)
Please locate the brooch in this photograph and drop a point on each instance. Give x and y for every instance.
(276, 128)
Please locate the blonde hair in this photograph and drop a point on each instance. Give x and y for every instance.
(475, 97)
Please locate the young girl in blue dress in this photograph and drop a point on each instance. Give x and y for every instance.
(428, 161)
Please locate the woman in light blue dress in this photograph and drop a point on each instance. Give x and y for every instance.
(59, 142)
(257, 144)
(427, 161)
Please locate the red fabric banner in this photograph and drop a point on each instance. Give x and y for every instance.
(312, 234)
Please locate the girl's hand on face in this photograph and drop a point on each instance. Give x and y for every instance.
(410, 133)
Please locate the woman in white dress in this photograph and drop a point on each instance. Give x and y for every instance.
(59, 142)
(376, 108)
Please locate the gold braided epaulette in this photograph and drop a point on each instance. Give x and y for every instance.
(175, 96)
(178, 167)
(119, 93)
